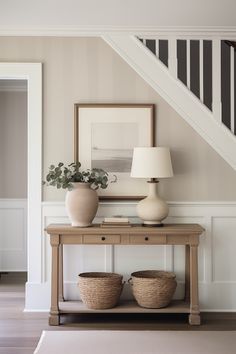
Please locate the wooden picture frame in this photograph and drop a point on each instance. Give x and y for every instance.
(104, 137)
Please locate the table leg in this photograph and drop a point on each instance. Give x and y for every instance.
(54, 318)
(61, 281)
(187, 274)
(194, 317)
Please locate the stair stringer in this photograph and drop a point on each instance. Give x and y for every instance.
(175, 93)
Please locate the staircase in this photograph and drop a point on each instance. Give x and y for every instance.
(197, 77)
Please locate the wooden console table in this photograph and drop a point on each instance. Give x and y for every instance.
(172, 234)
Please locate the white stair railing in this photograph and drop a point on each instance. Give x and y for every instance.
(207, 67)
(193, 90)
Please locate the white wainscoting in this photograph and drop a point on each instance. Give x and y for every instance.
(217, 261)
(13, 235)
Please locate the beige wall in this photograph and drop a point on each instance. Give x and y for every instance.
(13, 144)
(88, 70)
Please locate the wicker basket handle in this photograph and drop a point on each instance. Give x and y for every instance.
(130, 281)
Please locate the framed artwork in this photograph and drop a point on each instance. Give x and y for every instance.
(104, 137)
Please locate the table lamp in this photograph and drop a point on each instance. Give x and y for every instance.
(153, 163)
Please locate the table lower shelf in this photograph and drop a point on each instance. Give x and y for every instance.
(73, 307)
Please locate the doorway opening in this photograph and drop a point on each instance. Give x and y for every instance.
(13, 179)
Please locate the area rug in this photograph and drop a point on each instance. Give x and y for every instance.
(136, 342)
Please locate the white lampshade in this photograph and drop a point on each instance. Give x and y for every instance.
(151, 162)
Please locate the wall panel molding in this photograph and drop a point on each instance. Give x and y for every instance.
(13, 230)
(216, 294)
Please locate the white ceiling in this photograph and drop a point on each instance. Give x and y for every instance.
(116, 14)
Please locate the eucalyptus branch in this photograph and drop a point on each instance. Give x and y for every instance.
(63, 176)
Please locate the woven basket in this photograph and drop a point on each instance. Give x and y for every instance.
(100, 290)
(153, 288)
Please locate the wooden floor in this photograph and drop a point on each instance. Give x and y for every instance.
(20, 332)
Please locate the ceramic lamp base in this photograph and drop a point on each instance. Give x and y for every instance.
(148, 224)
(152, 209)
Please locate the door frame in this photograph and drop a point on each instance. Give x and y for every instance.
(32, 72)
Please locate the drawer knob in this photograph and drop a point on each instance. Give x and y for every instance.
(146, 238)
(103, 238)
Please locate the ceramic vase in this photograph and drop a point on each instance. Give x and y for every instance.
(81, 204)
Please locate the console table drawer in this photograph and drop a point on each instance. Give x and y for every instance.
(147, 239)
(100, 239)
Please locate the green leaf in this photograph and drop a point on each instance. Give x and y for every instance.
(62, 176)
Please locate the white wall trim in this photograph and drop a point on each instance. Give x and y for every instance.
(228, 32)
(13, 89)
(9, 202)
(170, 203)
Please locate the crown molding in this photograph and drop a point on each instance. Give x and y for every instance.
(13, 88)
(11, 85)
(228, 32)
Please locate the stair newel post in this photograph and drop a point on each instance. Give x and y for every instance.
(216, 78)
